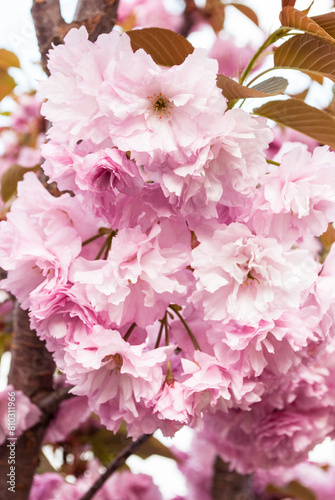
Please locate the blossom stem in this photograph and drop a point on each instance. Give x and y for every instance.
(106, 245)
(102, 249)
(160, 331)
(271, 162)
(276, 35)
(130, 329)
(119, 460)
(102, 232)
(192, 337)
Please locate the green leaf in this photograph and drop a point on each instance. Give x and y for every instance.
(7, 84)
(10, 178)
(298, 115)
(307, 53)
(272, 86)
(293, 18)
(166, 47)
(247, 11)
(8, 59)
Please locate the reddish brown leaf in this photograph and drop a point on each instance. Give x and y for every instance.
(293, 18)
(315, 77)
(272, 86)
(247, 11)
(233, 90)
(327, 22)
(298, 115)
(10, 178)
(166, 47)
(300, 95)
(293, 490)
(307, 53)
(8, 59)
(214, 13)
(306, 11)
(287, 3)
(7, 83)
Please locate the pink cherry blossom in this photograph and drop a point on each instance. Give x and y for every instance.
(32, 239)
(141, 276)
(120, 380)
(249, 278)
(17, 412)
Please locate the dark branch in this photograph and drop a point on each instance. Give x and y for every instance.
(229, 485)
(116, 464)
(31, 371)
(98, 16)
(49, 25)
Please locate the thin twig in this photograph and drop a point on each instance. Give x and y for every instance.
(115, 464)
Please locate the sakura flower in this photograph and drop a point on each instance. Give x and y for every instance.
(232, 59)
(120, 380)
(24, 416)
(141, 276)
(225, 170)
(154, 111)
(77, 70)
(69, 415)
(146, 13)
(296, 412)
(249, 278)
(120, 486)
(318, 478)
(40, 239)
(298, 197)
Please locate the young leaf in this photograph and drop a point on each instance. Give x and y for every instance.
(293, 490)
(307, 53)
(10, 178)
(272, 86)
(247, 11)
(298, 115)
(287, 3)
(106, 445)
(300, 95)
(8, 59)
(233, 90)
(166, 47)
(293, 18)
(7, 83)
(327, 22)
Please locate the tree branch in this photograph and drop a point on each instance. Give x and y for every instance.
(119, 460)
(31, 371)
(98, 16)
(229, 485)
(48, 23)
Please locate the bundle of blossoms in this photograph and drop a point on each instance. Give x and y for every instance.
(177, 278)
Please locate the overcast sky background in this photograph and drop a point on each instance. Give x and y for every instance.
(17, 34)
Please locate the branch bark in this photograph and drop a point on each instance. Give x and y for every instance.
(31, 371)
(98, 16)
(229, 485)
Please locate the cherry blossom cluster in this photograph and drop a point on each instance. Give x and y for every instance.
(177, 278)
(21, 139)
